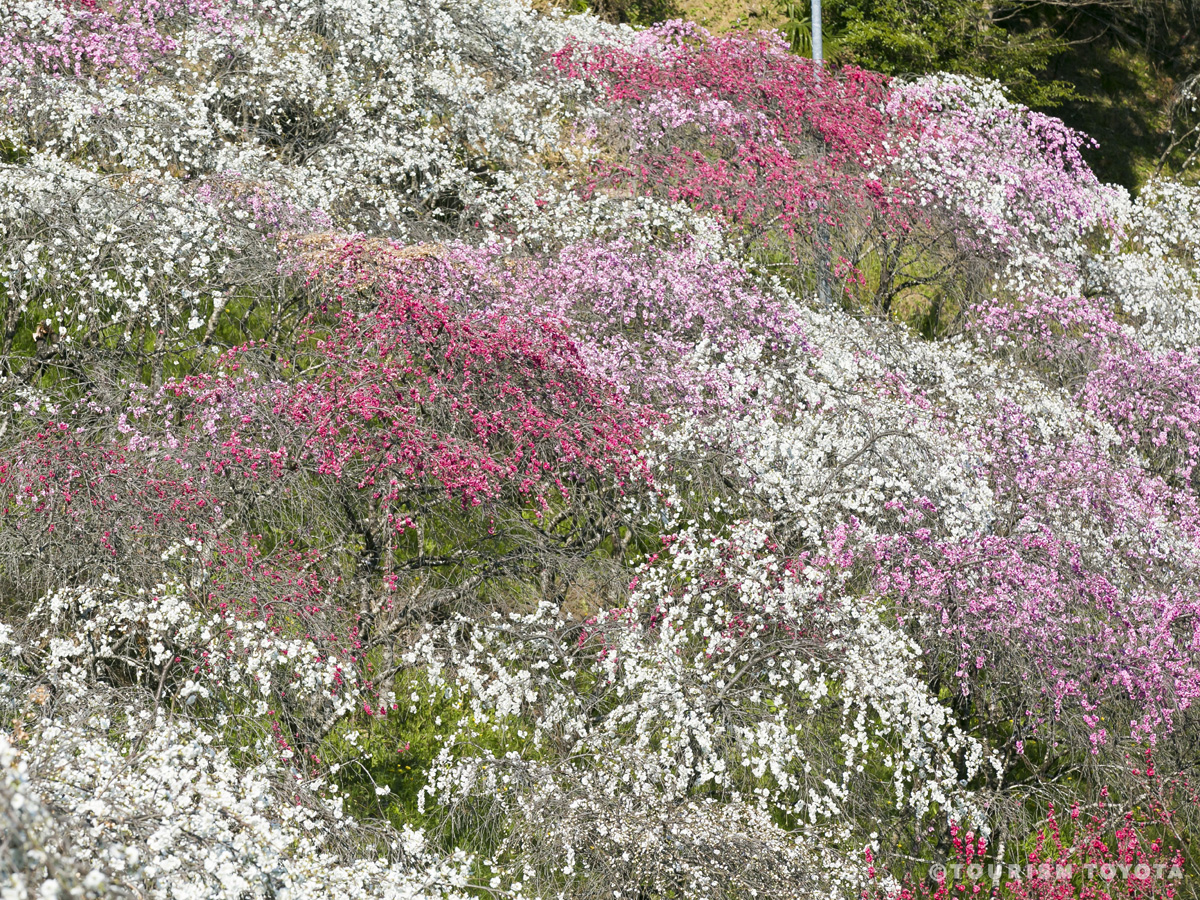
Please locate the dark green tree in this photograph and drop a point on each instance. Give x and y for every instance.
(907, 37)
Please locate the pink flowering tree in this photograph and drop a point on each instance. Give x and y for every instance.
(90, 38)
(650, 320)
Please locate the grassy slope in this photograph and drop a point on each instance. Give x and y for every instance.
(727, 15)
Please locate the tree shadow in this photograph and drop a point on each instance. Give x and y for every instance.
(635, 12)
(1121, 103)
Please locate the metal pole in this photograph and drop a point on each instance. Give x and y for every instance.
(824, 282)
(818, 48)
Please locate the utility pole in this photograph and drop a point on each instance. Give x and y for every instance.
(818, 49)
(824, 282)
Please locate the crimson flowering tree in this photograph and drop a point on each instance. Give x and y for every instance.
(486, 406)
(1109, 849)
(738, 126)
(916, 190)
(423, 453)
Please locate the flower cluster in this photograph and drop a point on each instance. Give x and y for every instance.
(455, 450)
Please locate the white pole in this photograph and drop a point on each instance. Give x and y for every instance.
(818, 49)
(824, 281)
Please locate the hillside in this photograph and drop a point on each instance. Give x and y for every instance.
(1123, 73)
(463, 450)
